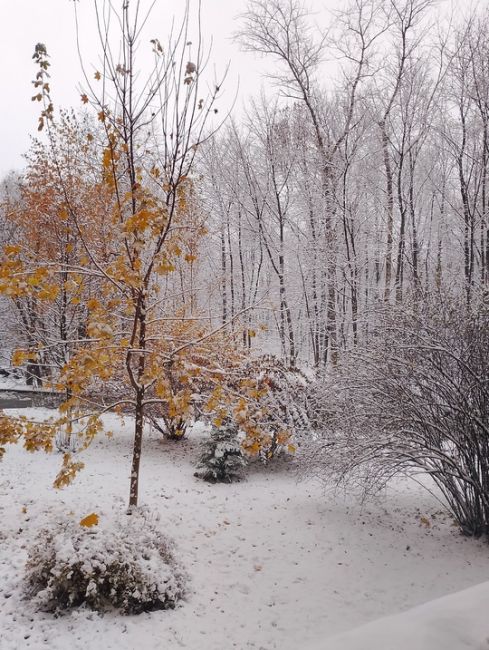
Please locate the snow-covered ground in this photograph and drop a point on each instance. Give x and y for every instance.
(274, 563)
(454, 622)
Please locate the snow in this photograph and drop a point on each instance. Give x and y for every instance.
(454, 622)
(18, 384)
(13, 383)
(274, 563)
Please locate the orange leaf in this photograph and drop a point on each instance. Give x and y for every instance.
(11, 249)
(89, 520)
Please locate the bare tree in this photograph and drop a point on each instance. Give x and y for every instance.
(282, 29)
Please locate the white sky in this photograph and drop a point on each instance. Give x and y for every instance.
(27, 22)
(52, 22)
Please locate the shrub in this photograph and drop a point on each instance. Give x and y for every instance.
(416, 400)
(278, 414)
(129, 567)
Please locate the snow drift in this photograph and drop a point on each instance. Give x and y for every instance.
(455, 622)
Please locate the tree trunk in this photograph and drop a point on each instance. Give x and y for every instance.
(137, 449)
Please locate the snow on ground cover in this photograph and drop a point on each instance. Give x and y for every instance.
(13, 383)
(19, 384)
(275, 564)
(454, 622)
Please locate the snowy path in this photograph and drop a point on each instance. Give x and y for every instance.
(274, 563)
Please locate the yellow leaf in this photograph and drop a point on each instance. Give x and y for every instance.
(164, 267)
(67, 473)
(283, 437)
(291, 449)
(253, 448)
(11, 250)
(21, 356)
(48, 293)
(89, 521)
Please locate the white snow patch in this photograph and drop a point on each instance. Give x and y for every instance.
(454, 622)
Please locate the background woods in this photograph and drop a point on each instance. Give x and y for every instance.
(368, 193)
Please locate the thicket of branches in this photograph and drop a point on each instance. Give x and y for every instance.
(415, 401)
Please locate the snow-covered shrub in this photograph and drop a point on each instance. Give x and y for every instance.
(129, 566)
(414, 400)
(279, 417)
(188, 382)
(282, 405)
(221, 460)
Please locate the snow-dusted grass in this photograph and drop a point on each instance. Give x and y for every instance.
(273, 564)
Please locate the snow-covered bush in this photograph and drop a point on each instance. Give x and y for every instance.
(415, 400)
(128, 566)
(221, 460)
(276, 414)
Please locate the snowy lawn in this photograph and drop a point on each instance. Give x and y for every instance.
(273, 563)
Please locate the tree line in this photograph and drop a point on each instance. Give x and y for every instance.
(330, 201)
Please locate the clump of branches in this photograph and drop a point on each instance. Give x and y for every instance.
(416, 400)
(281, 405)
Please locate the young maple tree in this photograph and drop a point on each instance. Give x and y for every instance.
(152, 128)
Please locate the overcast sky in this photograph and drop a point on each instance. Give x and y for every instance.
(27, 22)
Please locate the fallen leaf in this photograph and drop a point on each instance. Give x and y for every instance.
(89, 520)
